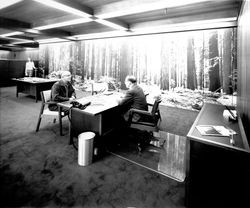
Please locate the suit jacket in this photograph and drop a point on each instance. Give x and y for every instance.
(61, 92)
(135, 98)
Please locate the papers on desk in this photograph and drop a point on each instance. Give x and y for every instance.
(210, 130)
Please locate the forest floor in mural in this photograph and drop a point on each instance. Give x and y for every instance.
(176, 97)
(194, 99)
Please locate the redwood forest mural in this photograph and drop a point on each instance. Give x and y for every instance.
(202, 60)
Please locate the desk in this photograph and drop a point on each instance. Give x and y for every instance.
(100, 117)
(33, 85)
(218, 172)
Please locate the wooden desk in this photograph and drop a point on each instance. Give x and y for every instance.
(100, 117)
(218, 174)
(33, 85)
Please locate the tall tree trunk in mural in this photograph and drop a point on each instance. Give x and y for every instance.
(81, 59)
(46, 61)
(125, 60)
(92, 62)
(164, 68)
(214, 75)
(226, 60)
(191, 73)
(234, 60)
(202, 64)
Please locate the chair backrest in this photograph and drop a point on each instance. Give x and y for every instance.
(46, 95)
(155, 108)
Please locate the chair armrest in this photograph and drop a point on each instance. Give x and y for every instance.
(51, 102)
(142, 112)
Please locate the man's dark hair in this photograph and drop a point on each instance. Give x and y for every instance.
(131, 78)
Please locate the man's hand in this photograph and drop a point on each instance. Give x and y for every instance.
(72, 98)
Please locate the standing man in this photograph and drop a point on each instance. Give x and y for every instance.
(62, 90)
(29, 66)
(134, 98)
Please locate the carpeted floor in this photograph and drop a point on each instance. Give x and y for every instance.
(41, 170)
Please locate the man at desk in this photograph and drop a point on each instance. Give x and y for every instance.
(62, 90)
(29, 66)
(134, 98)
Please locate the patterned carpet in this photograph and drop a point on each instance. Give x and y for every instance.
(41, 170)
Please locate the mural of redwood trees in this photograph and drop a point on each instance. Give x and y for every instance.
(194, 60)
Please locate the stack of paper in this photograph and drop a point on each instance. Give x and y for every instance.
(210, 130)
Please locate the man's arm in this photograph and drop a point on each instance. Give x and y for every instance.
(55, 93)
(127, 99)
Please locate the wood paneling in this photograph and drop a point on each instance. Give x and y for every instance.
(243, 101)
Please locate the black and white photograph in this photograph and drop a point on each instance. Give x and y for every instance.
(125, 103)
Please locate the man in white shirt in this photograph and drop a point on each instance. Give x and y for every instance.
(29, 68)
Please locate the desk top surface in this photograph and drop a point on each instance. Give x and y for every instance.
(34, 80)
(212, 114)
(99, 103)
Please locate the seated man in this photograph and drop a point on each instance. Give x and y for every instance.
(134, 98)
(62, 90)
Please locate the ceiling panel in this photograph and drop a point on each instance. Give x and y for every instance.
(126, 14)
(87, 28)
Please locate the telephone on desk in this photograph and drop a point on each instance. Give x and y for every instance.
(76, 104)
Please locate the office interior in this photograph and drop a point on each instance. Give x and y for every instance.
(193, 55)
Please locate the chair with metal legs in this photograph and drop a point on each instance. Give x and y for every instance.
(44, 111)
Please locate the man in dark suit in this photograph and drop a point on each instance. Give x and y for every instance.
(134, 98)
(62, 90)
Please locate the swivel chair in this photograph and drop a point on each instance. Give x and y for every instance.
(148, 122)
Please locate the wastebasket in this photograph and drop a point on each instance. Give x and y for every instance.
(85, 148)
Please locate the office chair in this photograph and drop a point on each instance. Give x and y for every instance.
(45, 95)
(148, 122)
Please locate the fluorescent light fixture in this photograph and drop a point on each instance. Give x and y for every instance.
(111, 24)
(101, 35)
(32, 31)
(51, 40)
(63, 7)
(62, 24)
(21, 42)
(7, 3)
(195, 25)
(11, 34)
(130, 8)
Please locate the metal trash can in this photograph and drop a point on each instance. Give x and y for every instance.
(85, 148)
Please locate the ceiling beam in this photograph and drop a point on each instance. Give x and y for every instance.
(127, 7)
(230, 13)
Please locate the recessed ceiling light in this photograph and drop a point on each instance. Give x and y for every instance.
(101, 35)
(51, 40)
(11, 34)
(193, 25)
